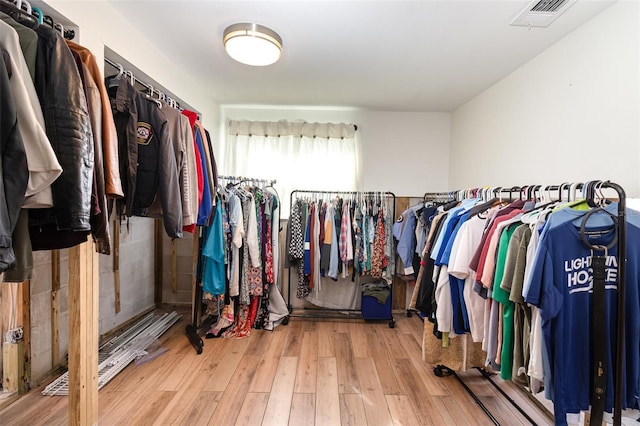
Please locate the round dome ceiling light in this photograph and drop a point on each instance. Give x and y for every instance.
(252, 44)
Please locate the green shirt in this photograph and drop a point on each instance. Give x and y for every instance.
(28, 42)
(502, 297)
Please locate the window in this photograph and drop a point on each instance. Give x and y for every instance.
(312, 156)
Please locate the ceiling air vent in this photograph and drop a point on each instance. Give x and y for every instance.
(541, 13)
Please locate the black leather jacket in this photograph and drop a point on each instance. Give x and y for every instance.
(68, 127)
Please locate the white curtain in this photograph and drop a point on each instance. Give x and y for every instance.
(298, 155)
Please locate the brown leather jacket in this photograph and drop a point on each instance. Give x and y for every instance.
(113, 183)
(99, 212)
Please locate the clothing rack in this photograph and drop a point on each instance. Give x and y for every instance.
(191, 329)
(521, 192)
(441, 370)
(622, 263)
(309, 312)
(529, 192)
(196, 321)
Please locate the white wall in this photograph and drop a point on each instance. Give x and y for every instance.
(570, 114)
(406, 153)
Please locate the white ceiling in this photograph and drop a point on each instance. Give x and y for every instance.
(395, 55)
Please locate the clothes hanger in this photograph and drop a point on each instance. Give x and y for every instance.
(35, 11)
(591, 193)
(150, 96)
(57, 26)
(573, 188)
(577, 204)
(482, 207)
(114, 80)
(599, 199)
(560, 189)
(18, 14)
(536, 191)
(583, 233)
(515, 189)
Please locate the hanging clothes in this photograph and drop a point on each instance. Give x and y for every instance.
(24, 135)
(214, 277)
(242, 251)
(149, 166)
(344, 237)
(530, 313)
(106, 128)
(43, 165)
(69, 136)
(181, 137)
(378, 259)
(68, 127)
(197, 187)
(99, 213)
(560, 286)
(13, 168)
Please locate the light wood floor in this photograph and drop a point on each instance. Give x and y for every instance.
(310, 372)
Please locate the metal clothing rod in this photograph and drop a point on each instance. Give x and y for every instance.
(439, 196)
(529, 190)
(248, 179)
(389, 194)
(172, 102)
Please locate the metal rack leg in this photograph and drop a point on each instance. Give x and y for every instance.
(194, 338)
(440, 370)
(487, 376)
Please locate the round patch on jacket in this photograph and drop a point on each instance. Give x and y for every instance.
(144, 134)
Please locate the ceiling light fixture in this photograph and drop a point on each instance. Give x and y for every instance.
(252, 44)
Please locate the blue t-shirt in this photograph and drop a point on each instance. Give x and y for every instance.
(460, 314)
(404, 230)
(440, 239)
(561, 286)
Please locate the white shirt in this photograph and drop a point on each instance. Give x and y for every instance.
(464, 247)
(43, 165)
(190, 181)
